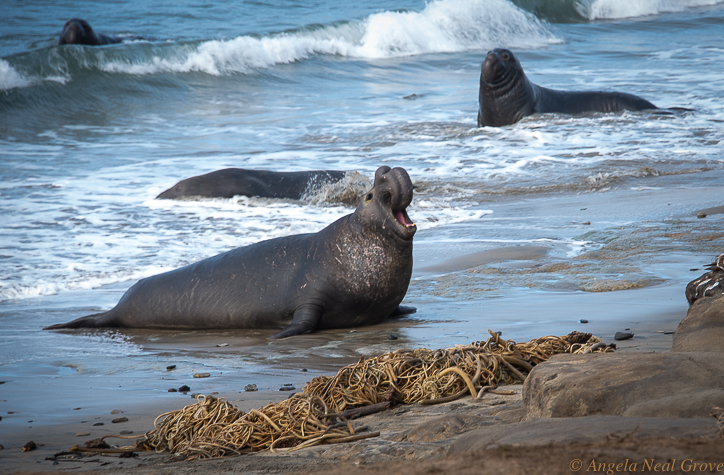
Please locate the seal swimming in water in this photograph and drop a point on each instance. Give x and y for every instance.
(79, 32)
(506, 95)
(231, 182)
(354, 272)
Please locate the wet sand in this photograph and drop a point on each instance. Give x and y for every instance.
(643, 241)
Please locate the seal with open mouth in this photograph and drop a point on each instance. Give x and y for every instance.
(506, 95)
(354, 272)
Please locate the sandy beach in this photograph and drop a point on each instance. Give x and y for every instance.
(538, 292)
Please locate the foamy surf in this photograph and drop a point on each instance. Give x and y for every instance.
(616, 9)
(443, 26)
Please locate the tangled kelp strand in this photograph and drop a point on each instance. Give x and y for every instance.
(213, 428)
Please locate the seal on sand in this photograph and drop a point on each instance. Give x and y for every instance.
(231, 182)
(711, 283)
(354, 272)
(506, 95)
(79, 32)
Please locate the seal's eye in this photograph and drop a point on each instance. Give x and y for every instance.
(505, 56)
(368, 198)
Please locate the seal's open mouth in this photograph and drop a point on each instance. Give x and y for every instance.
(403, 218)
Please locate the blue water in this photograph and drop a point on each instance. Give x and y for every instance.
(90, 135)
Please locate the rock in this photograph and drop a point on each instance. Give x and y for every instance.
(623, 336)
(701, 214)
(98, 424)
(116, 411)
(82, 434)
(250, 387)
(644, 384)
(170, 367)
(120, 419)
(201, 375)
(29, 446)
(173, 390)
(583, 320)
(392, 337)
(703, 327)
(579, 430)
(184, 389)
(442, 428)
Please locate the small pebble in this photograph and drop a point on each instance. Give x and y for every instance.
(623, 336)
(583, 320)
(184, 389)
(201, 375)
(670, 332)
(587, 223)
(126, 432)
(195, 395)
(693, 270)
(169, 368)
(173, 390)
(120, 419)
(250, 387)
(701, 214)
(222, 345)
(29, 446)
(392, 337)
(83, 434)
(98, 424)
(287, 388)
(116, 411)
(76, 408)
(2, 446)
(304, 370)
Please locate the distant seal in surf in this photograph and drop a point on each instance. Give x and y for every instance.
(709, 284)
(231, 182)
(354, 272)
(506, 95)
(79, 32)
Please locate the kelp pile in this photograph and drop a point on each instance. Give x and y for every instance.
(213, 428)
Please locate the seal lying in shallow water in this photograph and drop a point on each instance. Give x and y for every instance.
(506, 95)
(79, 32)
(231, 182)
(354, 272)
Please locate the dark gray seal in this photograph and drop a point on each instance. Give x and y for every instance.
(79, 32)
(231, 182)
(506, 95)
(354, 272)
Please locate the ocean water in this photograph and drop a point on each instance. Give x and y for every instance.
(90, 135)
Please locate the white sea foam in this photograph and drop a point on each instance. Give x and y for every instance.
(10, 78)
(444, 26)
(614, 9)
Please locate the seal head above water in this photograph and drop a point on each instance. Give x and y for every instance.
(79, 32)
(354, 272)
(506, 95)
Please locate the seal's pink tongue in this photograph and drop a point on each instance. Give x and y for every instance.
(400, 216)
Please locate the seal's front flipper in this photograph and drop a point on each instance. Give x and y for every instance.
(403, 311)
(305, 320)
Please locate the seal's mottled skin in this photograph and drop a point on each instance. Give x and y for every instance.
(354, 272)
(231, 182)
(506, 95)
(79, 32)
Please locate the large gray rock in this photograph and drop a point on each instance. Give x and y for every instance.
(703, 327)
(650, 384)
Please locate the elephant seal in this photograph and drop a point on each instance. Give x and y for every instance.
(506, 95)
(354, 272)
(231, 182)
(79, 32)
(711, 283)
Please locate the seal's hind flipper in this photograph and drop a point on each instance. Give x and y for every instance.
(83, 322)
(305, 320)
(401, 310)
